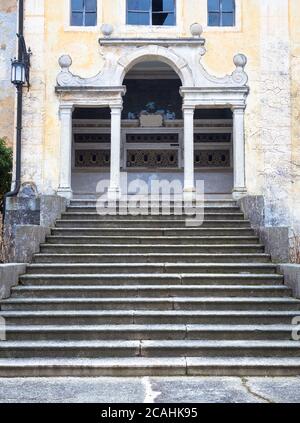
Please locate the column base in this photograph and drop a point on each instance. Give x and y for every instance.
(65, 192)
(238, 193)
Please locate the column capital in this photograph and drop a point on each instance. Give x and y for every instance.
(116, 108)
(188, 109)
(238, 109)
(66, 107)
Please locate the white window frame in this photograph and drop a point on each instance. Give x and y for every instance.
(150, 12)
(151, 29)
(238, 20)
(71, 28)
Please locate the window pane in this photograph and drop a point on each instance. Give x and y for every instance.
(90, 5)
(138, 5)
(90, 19)
(228, 19)
(138, 18)
(214, 5)
(163, 5)
(214, 19)
(227, 5)
(77, 5)
(163, 19)
(77, 19)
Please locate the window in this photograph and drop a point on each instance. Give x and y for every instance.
(151, 12)
(83, 12)
(221, 12)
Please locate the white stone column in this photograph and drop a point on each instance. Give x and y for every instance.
(115, 152)
(64, 189)
(239, 184)
(188, 118)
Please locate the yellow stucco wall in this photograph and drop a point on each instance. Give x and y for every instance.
(267, 32)
(295, 95)
(82, 46)
(7, 50)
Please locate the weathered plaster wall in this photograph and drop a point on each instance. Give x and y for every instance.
(267, 32)
(8, 24)
(275, 120)
(82, 45)
(295, 103)
(34, 128)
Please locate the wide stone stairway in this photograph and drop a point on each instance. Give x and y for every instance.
(148, 295)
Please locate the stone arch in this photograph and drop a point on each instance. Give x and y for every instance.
(155, 53)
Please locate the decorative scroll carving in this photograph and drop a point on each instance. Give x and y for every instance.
(214, 138)
(152, 138)
(238, 78)
(65, 78)
(152, 158)
(212, 158)
(118, 62)
(92, 138)
(92, 158)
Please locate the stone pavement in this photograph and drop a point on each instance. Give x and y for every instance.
(151, 389)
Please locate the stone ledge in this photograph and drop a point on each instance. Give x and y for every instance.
(27, 241)
(275, 238)
(166, 42)
(291, 274)
(9, 277)
(28, 221)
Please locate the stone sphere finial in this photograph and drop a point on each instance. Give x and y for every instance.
(196, 30)
(240, 60)
(107, 30)
(65, 61)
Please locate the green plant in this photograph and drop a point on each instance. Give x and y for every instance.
(6, 159)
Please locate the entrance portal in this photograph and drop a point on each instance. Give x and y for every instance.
(152, 136)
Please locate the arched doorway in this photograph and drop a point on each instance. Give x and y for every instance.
(152, 126)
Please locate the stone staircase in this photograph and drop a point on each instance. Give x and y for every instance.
(146, 295)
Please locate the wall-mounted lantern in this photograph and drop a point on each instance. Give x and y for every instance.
(20, 68)
(17, 73)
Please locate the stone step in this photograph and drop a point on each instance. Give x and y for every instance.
(148, 332)
(137, 295)
(155, 209)
(150, 303)
(151, 248)
(153, 258)
(149, 348)
(153, 291)
(219, 203)
(152, 268)
(219, 348)
(218, 236)
(243, 366)
(156, 218)
(155, 279)
(142, 224)
(144, 317)
(150, 366)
